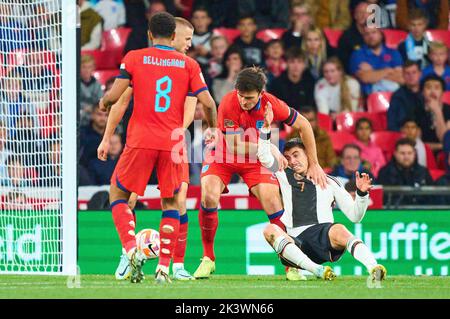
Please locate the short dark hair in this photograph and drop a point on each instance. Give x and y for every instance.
(272, 42)
(405, 141)
(200, 8)
(251, 79)
(409, 119)
(353, 146)
(295, 53)
(292, 143)
(162, 25)
(410, 63)
(363, 120)
(432, 77)
(247, 16)
(416, 14)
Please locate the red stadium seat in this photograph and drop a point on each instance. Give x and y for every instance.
(269, 34)
(103, 59)
(104, 75)
(378, 102)
(346, 121)
(114, 41)
(436, 173)
(439, 35)
(394, 37)
(228, 33)
(333, 36)
(446, 97)
(386, 141)
(340, 139)
(325, 121)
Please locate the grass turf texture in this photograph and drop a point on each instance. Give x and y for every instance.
(224, 286)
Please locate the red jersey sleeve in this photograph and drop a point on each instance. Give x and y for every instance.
(228, 118)
(197, 82)
(282, 112)
(127, 66)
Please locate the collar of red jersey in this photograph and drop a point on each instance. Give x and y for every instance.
(164, 47)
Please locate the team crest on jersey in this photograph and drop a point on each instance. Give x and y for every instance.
(228, 123)
(259, 124)
(205, 168)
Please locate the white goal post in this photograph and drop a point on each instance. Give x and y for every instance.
(38, 137)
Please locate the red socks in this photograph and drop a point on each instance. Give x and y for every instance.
(125, 223)
(208, 224)
(168, 233)
(180, 247)
(275, 219)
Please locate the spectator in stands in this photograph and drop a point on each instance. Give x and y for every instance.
(325, 152)
(27, 138)
(252, 47)
(90, 89)
(91, 135)
(222, 12)
(18, 174)
(336, 92)
(424, 154)
(350, 163)
(445, 180)
(233, 64)
(415, 47)
(301, 19)
(435, 10)
(13, 34)
(12, 100)
(219, 45)
(314, 47)
(275, 62)
(268, 14)
(371, 153)
(434, 120)
(334, 14)
(50, 173)
(439, 65)
(5, 153)
(352, 38)
(201, 46)
(91, 27)
(403, 170)
(407, 100)
(112, 12)
(136, 20)
(376, 66)
(101, 171)
(295, 86)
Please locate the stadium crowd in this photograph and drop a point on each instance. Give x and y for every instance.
(377, 98)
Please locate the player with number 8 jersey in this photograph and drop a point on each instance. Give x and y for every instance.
(161, 78)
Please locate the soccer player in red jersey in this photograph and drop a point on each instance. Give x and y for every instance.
(182, 42)
(240, 116)
(161, 80)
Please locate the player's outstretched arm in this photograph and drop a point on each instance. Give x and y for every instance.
(315, 172)
(111, 97)
(353, 209)
(115, 116)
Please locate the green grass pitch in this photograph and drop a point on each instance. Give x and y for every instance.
(224, 286)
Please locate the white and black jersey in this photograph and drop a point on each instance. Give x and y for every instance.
(306, 204)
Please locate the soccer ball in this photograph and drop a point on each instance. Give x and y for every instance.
(147, 242)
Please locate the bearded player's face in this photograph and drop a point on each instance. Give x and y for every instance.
(248, 100)
(183, 38)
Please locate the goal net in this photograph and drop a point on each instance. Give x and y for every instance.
(37, 163)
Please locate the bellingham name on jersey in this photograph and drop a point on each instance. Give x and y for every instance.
(164, 62)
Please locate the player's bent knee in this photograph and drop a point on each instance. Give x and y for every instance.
(271, 232)
(210, 200)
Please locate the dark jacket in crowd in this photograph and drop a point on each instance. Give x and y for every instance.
(405, 104)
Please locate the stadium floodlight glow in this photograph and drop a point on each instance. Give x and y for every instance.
(38, 111)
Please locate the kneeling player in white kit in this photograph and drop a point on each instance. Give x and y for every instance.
(312, 237)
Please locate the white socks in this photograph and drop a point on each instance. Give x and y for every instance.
(361, 252)
(293, 254)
